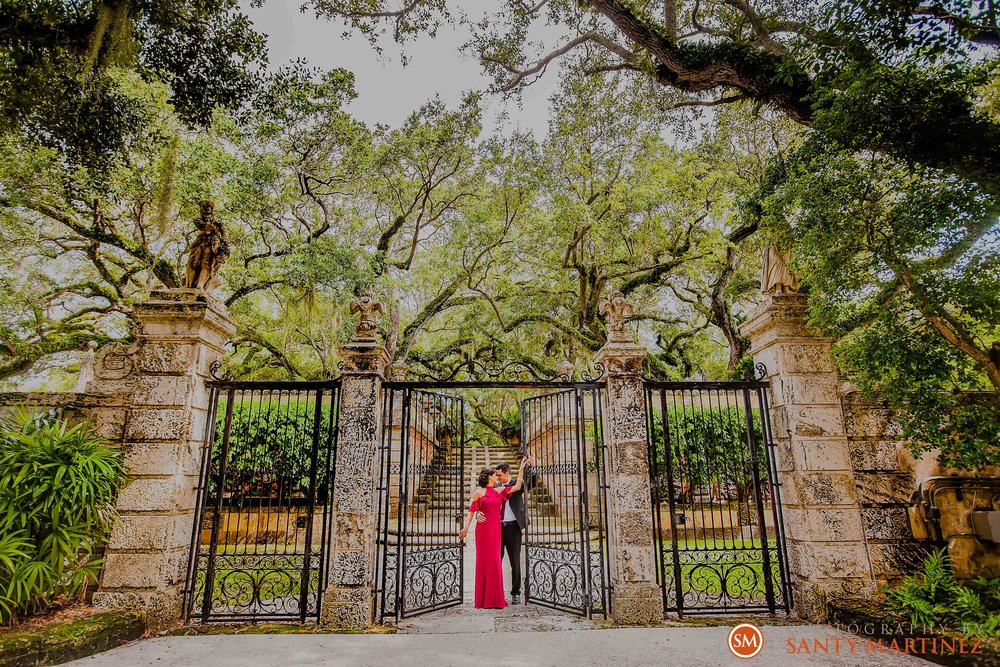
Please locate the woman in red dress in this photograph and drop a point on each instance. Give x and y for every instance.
(489, 573)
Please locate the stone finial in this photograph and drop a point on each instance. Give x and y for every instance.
(564, 370)
(208, 251)
(398, 371)
(617, 309)
(367, 305)
(776, 277)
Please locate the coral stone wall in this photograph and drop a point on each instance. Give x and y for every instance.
(885, 475)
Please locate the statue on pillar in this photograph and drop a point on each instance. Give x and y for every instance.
(208, 251)
(618, 309)
(776, 277)
(366, 304)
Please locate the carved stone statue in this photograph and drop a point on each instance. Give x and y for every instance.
(208, 251)
(368, 307)
(618, 309)
(776, 277)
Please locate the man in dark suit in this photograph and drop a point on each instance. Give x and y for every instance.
(514, 520)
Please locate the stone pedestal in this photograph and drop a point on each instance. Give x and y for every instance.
(348, 600)
(821, 511)
(636, 597)
(182, 333)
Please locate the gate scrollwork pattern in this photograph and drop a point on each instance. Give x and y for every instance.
(433, 577)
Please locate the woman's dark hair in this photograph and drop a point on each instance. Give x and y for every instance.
(484, 477)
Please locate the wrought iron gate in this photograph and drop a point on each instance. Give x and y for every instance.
(716, 502)
(566, 543)
(259, 547)
(421, 503)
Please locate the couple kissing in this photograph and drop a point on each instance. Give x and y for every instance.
(498, 508)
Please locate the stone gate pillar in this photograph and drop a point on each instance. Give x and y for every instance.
(636, 597)
(821, 512)
(182, 332)
(349, 596)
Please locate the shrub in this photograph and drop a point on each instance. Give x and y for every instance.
(57, 490)
(936, 598)
(271, 445)
(709, 446)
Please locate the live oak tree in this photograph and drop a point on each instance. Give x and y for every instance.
(900, 91)
(65, 66)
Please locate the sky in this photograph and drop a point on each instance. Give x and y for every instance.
(388, 91)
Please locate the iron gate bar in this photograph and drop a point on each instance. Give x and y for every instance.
(414, 578)
(206, 606)
(775, 486)
(724, 410)
(261, 578)
(560, 575)
(759, 503)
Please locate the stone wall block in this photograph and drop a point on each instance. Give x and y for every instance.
(832, 560)
(886, 523)
(871, 455)
(831, 454)
(835, 525)
(871, 422)
(143, 424)
(815, 421)
(162, 358)
(881, 488)
(347, 607)
(827, 488)
(163, 390)
(894, 560)
(632, 458)
(351, 568)
(155, 458)
(157, 494)
(356, 458)
(637, 603)
(808, 357)
(806, 389)
(357, 495)
(784, 454)
(635, 563)
(154, 569)
(352, 531)
(109, 423)
(631, 492)
(139, 532)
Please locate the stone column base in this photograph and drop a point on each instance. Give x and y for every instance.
(347, 608)
(811, 597)
(162, 609)
(637, 603)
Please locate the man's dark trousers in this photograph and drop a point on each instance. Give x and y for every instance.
(511, 541)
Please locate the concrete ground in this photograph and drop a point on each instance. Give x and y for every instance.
(576, 648)
(521, 635)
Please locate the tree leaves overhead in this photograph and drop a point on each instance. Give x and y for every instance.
(62, 67)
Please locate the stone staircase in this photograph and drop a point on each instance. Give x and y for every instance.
(439, 492)
(441, 500)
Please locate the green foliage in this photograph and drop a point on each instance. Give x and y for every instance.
(903, 265)
(273, 442)
(710, 446)
(62, 64)
(936, 598)
(58, 485)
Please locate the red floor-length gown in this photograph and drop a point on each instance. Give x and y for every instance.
(489, 573)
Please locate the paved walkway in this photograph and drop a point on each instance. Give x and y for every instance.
(572, 648)
(515, 636)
